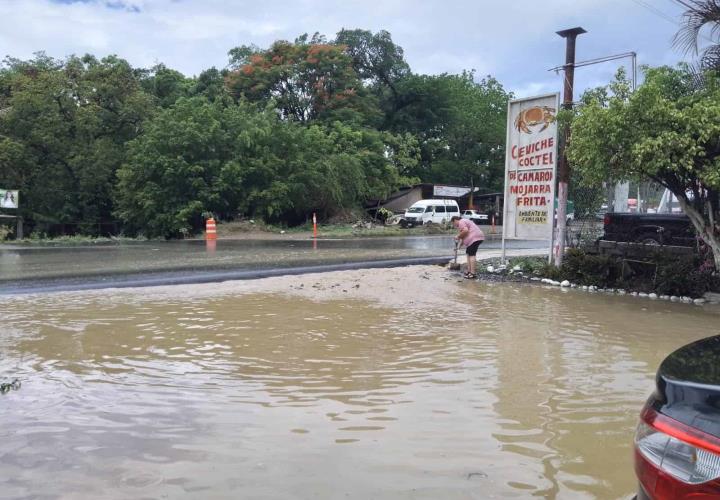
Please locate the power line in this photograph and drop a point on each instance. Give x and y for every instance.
(668, 18)
(656, 11)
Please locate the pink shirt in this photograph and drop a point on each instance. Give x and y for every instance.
(474, 233)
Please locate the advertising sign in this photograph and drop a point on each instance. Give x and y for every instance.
(450, 191)
(9, 198)
(530, 168)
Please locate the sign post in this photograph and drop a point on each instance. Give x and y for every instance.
(531, 169)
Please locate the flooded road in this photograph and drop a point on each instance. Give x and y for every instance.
(403, 383)
(39, 268)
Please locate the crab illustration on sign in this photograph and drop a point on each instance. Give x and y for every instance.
(534, 116)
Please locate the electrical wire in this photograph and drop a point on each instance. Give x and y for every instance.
(656, 11)
(668, 18)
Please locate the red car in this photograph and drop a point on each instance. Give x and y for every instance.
(677, 444)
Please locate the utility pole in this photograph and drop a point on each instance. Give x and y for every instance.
(570, 35)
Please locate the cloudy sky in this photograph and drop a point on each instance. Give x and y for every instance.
(513, 40)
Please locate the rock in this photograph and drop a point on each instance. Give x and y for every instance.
(517, 269)
(554, 283)
(490, 269)
(534, 279)
(712, 298)
(282, 232)
(699, 302)
(585, 288)
(565, 283)
(634, 294)
(653, 296)
(621, 292)
(686, 300)
(674, 298)
(573, 285)
(664, 297)
(643, 295)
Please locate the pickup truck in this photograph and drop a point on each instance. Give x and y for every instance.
(650, 229)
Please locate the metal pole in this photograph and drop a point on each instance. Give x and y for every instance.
(570, 35)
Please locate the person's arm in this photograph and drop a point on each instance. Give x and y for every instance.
(461, 235)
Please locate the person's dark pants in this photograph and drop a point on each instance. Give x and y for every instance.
(471, 251)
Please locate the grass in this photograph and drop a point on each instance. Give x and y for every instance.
(76, 240)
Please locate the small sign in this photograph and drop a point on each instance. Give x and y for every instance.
(9, 198)
(450, 191)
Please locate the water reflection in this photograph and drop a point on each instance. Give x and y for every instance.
(509, 391)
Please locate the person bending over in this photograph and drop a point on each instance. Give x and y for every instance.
(471, 237)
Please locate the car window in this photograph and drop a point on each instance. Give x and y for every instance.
(439, 208)
(451, 208)
(429, 209)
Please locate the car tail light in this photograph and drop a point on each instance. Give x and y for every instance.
(606, 220)
(675, 461)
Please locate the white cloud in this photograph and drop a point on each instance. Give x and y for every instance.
(513, 41)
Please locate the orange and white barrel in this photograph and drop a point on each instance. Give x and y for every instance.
(210, 229)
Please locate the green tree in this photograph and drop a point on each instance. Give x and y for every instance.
(63, 131)
(667, 131)
(200, 156)
(460, 126)
(167, 85)
(305, 81)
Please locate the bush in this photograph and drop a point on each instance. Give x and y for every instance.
(662, 274)
(683, 277)
(581, 268)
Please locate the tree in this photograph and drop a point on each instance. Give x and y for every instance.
(667, 131)
(167, 85)
(378, 62)
(227, 159)
(305, 81)
(701, 14)
(63, 133)
(460, 126)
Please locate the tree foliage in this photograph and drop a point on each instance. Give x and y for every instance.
(313, 125)
(63, 131)
(201, 156)
(667, 131)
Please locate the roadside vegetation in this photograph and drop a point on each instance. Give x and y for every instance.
(97, 146)
(690, 276)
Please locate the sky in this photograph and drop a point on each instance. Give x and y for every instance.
(512, 40)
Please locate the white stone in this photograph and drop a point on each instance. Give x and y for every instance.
(517, 268)
(687, 300)
(699, 302)
(634, 294)
(674, 298)
(554, 283)
(573, 285)
(534, 279)
(490, 269)
(664, 297)
(621, 292)
(653, 296)
(282, 232)
(585, 288)
(642, 294)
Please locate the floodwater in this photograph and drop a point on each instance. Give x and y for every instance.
(404, 383)
(74, 263)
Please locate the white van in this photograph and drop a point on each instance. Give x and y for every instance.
(430, 211)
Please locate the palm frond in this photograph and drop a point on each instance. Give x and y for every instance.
(701, 13)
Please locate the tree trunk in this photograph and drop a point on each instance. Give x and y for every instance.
(705, 227)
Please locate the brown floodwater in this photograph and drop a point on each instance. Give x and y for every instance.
(404, 383)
